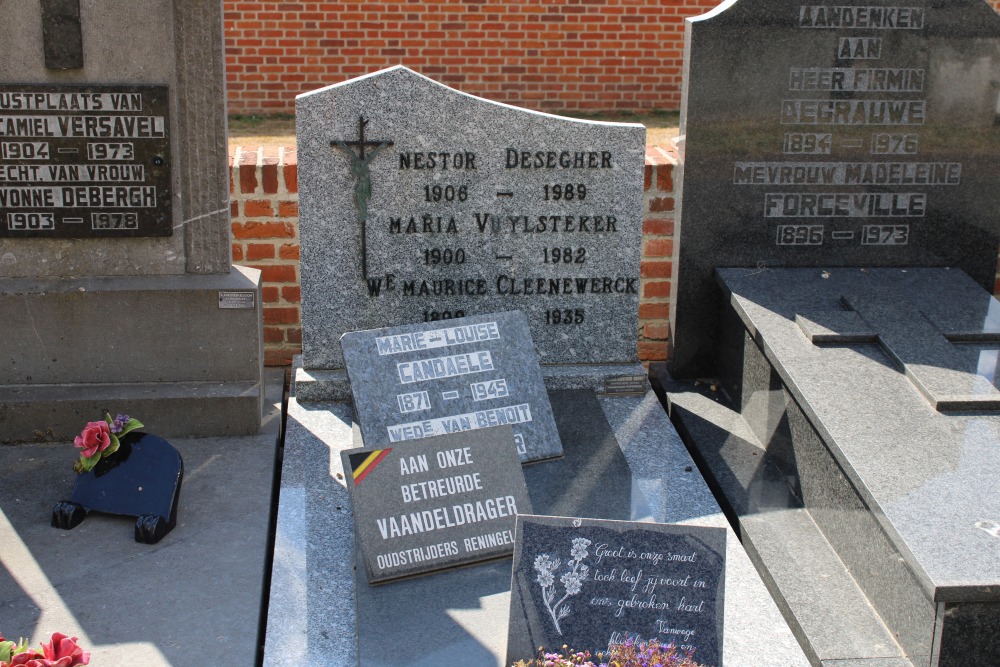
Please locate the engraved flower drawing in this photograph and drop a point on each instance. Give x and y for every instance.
(572, 580)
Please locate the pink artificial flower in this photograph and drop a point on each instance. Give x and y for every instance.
(29, 658)
(63, 651)
(96, 437)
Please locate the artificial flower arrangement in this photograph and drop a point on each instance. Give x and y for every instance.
(61, 651)
(629, 654)
(100, 439)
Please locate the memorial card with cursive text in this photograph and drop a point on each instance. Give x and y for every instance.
(590, 583)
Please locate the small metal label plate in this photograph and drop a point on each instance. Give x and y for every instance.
(240, 299)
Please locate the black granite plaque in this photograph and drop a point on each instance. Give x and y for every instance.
(441, 502)
(588, 583)
(421, 380)
(84, 161)
(834, 134)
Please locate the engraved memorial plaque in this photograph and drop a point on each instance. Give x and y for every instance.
(84, 161)
(834, 134)
(419, 203)
(421, 380)
(447, 501)
(589, 583)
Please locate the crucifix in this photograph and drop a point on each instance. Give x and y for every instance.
(363, 187)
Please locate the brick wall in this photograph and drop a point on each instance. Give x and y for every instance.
(265, 222)
(540, 54)
(263, 189)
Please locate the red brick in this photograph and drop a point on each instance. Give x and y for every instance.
(269, 294)
(291, 294)
(277, 273)
(258, 208)
(269, 173)
(274, 315)
(291, 173)
(279, 357)
(260, 251)
(653, 311)
(665, 178)
(658, 248)
(294, 335)
(647, 176)
(288, 209)
(274, 335)
(652, 351)
(656, 269)
(234, 209)
(289, 251)
(656, 330)
(263, 230)
(656, 289)
(658, 227)
(656, 205)
(237, 252)
(248, 173)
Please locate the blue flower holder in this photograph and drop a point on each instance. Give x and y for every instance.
(142, 479)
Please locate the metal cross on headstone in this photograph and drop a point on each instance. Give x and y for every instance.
(62, 38)
(363, 188)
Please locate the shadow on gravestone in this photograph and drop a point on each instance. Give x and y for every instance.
(558, 487)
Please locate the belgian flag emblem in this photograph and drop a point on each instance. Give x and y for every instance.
(363, 463)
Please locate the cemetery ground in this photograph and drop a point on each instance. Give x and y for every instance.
(279, 130)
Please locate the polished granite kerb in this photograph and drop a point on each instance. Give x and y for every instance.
(927, 476)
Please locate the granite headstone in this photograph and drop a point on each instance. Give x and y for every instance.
(420, 203)
(441, 502)
(588, 583)
(420, 380)
(833, 134)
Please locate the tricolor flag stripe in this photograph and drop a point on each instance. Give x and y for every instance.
(368, 464)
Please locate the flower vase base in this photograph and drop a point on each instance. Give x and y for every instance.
(150, 528)
(142, 479)
(68, 515)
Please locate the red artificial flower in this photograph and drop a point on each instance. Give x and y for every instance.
(29, 658)
(96, 437)
(63, 651)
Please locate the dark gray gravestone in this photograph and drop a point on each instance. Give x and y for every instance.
(448, 500)
(421, 380)
(587, 583)
(834, 134)
(420, 203)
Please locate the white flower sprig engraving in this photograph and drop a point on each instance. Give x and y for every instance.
(572, 580)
